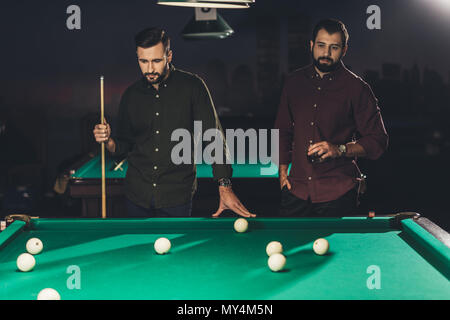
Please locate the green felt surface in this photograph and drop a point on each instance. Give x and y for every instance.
(209, 260)
(92, 170)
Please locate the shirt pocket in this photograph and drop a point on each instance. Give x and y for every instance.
(178, 116)
(334, 115)
(140, 115)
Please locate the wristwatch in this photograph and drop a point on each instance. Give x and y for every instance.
(224, 182)
(342, 149)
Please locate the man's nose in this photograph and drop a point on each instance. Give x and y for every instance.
(150, 68)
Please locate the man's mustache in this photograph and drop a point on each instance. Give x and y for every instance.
(151, 74)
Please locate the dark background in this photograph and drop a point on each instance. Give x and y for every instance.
(49, 88)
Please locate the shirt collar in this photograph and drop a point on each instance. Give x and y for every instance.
(311, 72)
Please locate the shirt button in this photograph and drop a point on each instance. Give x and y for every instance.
(309, 178)
(157, 131)
(154, 184)
(310, 141)
(155, 167)
(315, 105)
(157, 114)
(156, 149)
(319, 88)
(165, 85)
(312, 123)
(157, 95)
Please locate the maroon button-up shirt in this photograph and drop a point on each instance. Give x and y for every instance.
(338, 108)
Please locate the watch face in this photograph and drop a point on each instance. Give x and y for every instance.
(342, 148)
(225, 182)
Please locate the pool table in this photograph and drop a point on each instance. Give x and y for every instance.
(85, 181)
(91, 169)
(403, 256)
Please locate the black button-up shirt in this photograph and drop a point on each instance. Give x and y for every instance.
(334, 108)
(147, 117)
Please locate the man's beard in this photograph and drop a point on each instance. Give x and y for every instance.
(159, 78)
(325, 67)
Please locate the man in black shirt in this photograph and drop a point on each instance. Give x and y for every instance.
(151, 109)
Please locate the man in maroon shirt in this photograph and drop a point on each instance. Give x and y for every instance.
(327, 117)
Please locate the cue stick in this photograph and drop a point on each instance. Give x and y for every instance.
(102, 120)
(119, 165)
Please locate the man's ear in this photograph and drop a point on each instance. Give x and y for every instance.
(311, 45)
(169, 56)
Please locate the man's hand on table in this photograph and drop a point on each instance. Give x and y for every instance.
(228, 200)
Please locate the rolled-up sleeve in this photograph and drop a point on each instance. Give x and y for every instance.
(284, 124)
(369, 123)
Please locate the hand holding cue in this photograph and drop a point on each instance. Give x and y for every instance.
(102, 120)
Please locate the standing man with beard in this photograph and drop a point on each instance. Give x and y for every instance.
(327, 117)
(151, 109)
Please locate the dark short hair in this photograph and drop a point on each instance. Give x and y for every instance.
(151, 37)
(331, 26)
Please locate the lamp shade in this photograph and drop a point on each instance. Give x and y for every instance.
(207, 29)
(219, 4)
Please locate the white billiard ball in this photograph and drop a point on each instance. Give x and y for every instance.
(274, 247)
(276, 262)
(48, 294)
(321, 246)
(34, 246)
(162, 245)
(25, 262)
(241, 225)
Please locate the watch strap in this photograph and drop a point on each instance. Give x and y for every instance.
(224, 182)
